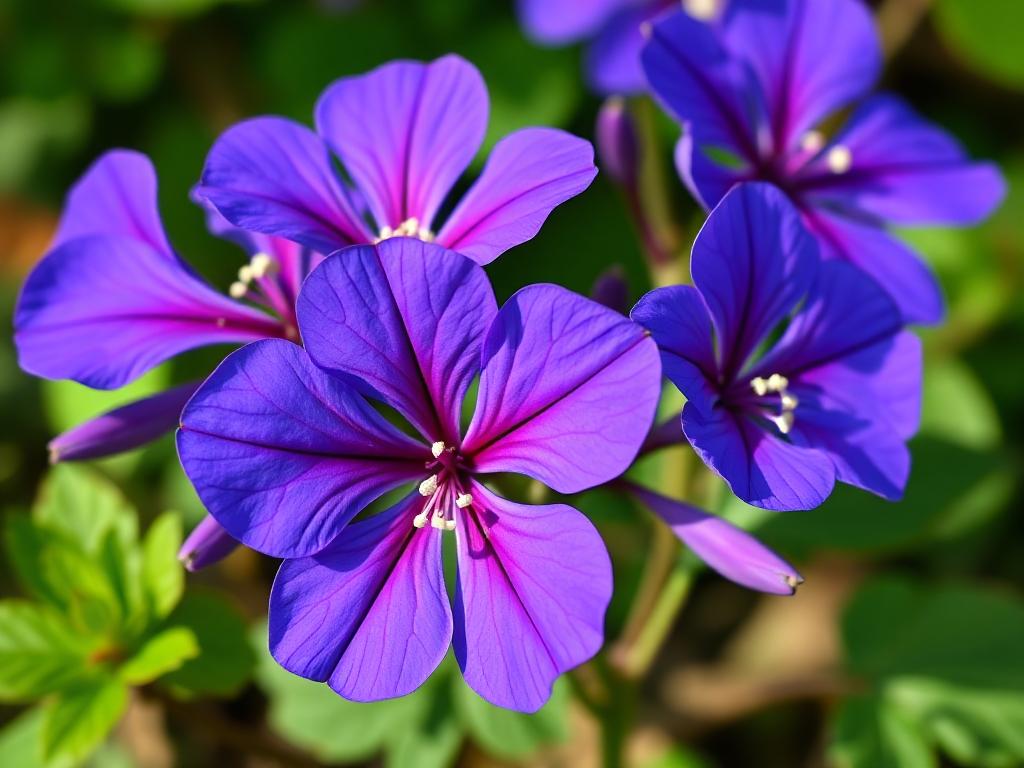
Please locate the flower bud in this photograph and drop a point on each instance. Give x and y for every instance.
(208, 543)
(617, 144)
(611, 289)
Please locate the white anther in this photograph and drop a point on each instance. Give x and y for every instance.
(449, 525)
(463, 501)
(760, 386)
(789, 402)
(421, 519)
(705, 10)
(245, 274)
(437, 449)
(428, 486)
(261, 265)
(839, 159)
(777, 382)
(812, 142)
(784, 421)
(238, 290)
(437, 521)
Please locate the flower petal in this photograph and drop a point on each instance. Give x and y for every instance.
(404, 321)
(567, 393)
(274, 176)
(707, 179)
(284, 455)
(370, 613)
(208, 543)
(125, 428)
(731, 551)
(405, 132)
(613, 59)
(557, 22)
(103, 310)
(753, 260)
(117, 196)
(529, 174)
(678, 321)
(897, 269)
(761, 469)
(810, 58)
(524, 612)
(904, 170)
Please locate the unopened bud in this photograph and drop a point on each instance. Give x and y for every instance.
(617, 145)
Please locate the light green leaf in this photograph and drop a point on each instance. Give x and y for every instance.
(431, 736)
(78, 720)
(986, 33)
(168, 8)
(509, 734)
(678, 757)
(957, 407)
(225, 661)
(86, 506)
(39, 652)
(162, 574)
(21, 742)
(164, 652)
(870, 733)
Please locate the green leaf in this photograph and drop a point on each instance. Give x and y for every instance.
(957, 407)
(85, 506)
(81, 718)
(39, 652)
(945, 670)
(21, 742)
(162, 574)
(987, 35)
(225, 661)
(432, 736)
(509, 734)
(677, 757)
(164, 652)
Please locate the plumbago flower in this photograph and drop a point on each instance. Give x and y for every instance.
(404, 134)
(753, 89)
(285, 450)
(796, 373)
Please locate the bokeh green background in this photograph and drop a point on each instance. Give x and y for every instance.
(906, 645)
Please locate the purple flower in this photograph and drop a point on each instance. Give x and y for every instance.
(285, 452)
(614, 28)
(404, 134)
(753, 89)
(112, 299)
(797, 373)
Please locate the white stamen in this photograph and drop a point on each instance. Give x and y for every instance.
(839, 159)
(261, 264)
(463, 501)
(437, 449)
(812, 142)
(428, 486)
(245, 274)
(449, 525)
(760, 386)
(238, 290)
(784, 421)
(777, 382)
(705, 10)
(438, 521)
(794, 581)
(789, 402)
(421, 519)
(408, 228)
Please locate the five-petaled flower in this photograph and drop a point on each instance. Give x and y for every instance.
(404, 134)
(753, 88)
(797, 372)
(285, 450)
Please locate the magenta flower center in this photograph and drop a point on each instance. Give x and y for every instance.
(444, 491)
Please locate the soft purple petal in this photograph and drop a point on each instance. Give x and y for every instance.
(707, 179)
(405, 132)
(274, 176)
(283, 455)
(103, 310)
(731, 551)
(904, 169)
(123, 429)
(208, 543)
(753, 260)
(117, 196)
(613, 59)
(810, 58)
(761, 469)
(567, 393)
(370, 614)
(897, 269)
(403, 320)
(678, 321)
(529, 174)
(556, 22)
(534, 585)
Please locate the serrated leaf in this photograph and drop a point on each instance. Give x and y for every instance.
(225, 661)
(79, 719)
(162, 574)
(39, 652)
(163, 653)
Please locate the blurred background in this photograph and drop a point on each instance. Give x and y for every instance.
(905, 647)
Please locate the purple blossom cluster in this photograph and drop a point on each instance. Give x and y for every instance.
(378, 394)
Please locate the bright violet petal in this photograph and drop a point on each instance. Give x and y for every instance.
(567, 393)
(208, 543)
(370, 614)
(404, 321)
(761, 469)
(904, 169)
(707, 179)
(678, 321)
(529, 174)
(613, 59)
(753, 260)
(525, 612)
(117, 196)
(103, 310)
(405, 132)
(897, 269)
(731, 551)
(283, 455)
(556, 22)
(274, 176)
(125, 428)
